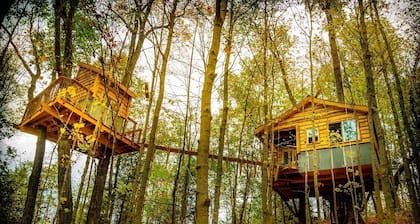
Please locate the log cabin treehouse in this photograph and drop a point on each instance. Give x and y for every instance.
(91, 99)
(339, 135)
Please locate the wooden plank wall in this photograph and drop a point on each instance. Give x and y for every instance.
(86, 77)
(323, 116)
(120, 97)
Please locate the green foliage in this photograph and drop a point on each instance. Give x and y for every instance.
(13, 182)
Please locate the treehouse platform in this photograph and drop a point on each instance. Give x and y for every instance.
(336, 133)
(93, 105)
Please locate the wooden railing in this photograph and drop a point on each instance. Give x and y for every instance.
(83, 99)
(51, 92)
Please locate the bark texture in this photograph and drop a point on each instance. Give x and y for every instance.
(329, 8)
(34, 179)
(65, 205)
(94, 211)
(377, 133)
(202, 199)
(152, 138)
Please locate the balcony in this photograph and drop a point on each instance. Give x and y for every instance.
(67, 102)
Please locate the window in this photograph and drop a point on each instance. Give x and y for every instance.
(311, 137)
(343, 131)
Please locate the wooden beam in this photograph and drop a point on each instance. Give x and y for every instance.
(211, 156)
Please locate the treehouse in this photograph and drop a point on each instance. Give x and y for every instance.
(336, 133)
(90, 101)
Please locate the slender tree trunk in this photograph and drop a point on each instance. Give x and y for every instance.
(241, 137)
(315, 168)
(414, 141)
(223, 123)
(245, 195)
(138, 35)
(58, 8)
(185, 188)
(375, 126)
(400, 138)
(129, 212)
(80, 191)
(65, 204)
(114, 186)
(186, 138)
(68, 39)
(94, 211)
(202, 198)
(152, 148)
(34, 179)
(329, 9)
(267, 216)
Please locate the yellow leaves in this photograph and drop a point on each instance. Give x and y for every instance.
(62, 130)
(72, 91)
(90, 139)
(98, 104)
(69, 91)
(79, 125)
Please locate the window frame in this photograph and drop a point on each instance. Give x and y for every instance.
(316, 135)
(343, 131)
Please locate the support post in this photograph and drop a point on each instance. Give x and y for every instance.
(34, 179)
(94, 211)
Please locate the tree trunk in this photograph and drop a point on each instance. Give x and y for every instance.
(33, 184)
(94, 211)
(185, 193)
(185, 140)
(65, 204)
(223, 123)
(68, 40)
(329, 9)
(245, 195)
(80, 191)
(58, 8)
(414, 140)
(267, 216)
(400, 138)
(202, 198)
(375, 126)
(137, 39)
(152, 148)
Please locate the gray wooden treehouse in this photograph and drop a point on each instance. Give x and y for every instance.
(338, 133)
(90, 97)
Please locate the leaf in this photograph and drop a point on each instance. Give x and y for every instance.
(71, 91)
(79, 125)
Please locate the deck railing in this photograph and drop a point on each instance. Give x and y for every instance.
(79, 96)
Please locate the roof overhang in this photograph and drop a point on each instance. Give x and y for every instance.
(302, 104)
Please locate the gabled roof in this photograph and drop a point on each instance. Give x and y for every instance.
(304, 103)
(116, 82)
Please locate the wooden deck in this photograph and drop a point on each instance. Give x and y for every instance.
(290, 183)
(67, 102)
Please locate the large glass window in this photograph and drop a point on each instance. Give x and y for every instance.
(343, 131)
(349, 130)
(312, 135)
